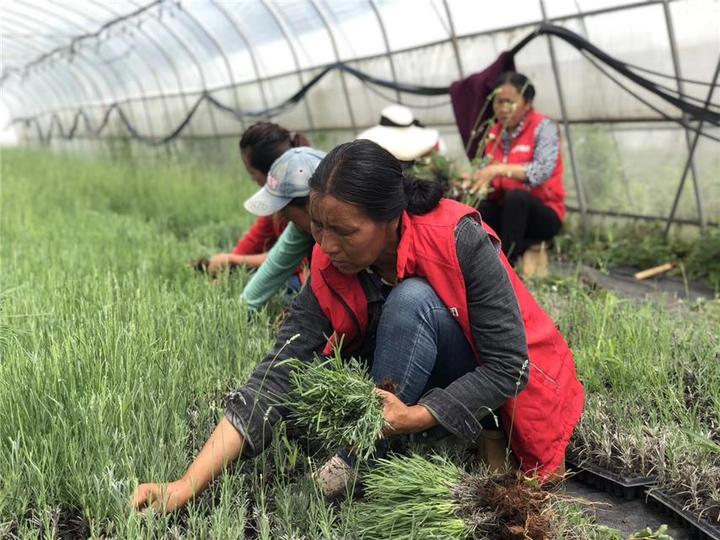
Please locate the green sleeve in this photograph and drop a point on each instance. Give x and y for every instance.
(284, 257)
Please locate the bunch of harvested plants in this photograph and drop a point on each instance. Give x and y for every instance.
(336, 400)
(414, 497)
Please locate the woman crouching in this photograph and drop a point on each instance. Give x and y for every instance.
(416, 285)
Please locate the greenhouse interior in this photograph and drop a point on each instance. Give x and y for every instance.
(374, 269)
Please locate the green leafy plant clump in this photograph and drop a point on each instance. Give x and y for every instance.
(414, 497)
(411, 497)
(336, 400)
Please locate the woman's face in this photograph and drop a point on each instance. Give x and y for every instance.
(258, 177)
(509, 105)
(348, 237)
(298, 215)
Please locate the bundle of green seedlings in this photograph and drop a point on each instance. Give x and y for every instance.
(336, 400)
(414, 497)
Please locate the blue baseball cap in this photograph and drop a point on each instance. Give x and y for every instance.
(287, 179)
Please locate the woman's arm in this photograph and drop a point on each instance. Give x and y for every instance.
(282, 261)
(535, 173)
(499, 336)
(483, 177)
(250, 412)
(257, 406)
(219, 262)
(251, 249)
(259, 238)
(545, 154)
(222, 448)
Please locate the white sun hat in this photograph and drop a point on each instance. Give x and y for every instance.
(400, 134)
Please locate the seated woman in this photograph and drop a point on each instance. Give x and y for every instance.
(260, 145)
(527, 201)
(416, 286)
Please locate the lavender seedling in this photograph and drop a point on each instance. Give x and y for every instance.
(336, 400)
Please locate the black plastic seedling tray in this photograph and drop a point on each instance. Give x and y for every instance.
(597, 477)
(701, 529)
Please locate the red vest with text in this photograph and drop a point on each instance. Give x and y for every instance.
(551, 192)
(541, 418)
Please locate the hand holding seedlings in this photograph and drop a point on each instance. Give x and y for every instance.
(481, 179)
(401, 418)
(218, 263)
(337, 402)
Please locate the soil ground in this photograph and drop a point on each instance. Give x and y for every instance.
(626, 516)
(667, 289)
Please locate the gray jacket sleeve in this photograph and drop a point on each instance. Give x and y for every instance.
(547, 150)
(499, 336)
(254, 409)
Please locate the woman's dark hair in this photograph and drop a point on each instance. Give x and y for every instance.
(521, 83)
(264, 142)
(300, 202)
(363, 173)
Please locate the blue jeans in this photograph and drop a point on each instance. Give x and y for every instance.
(419, 344)
(292, 287)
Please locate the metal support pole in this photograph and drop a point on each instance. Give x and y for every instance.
(691, 153)
(610, 130)
(566, 126)
(374, 7)
(201, 73)
(139, 51)
(681, 90)
(28, 97)
(296, 60)
(168, 58)
(226, 62)
(30, 24)
(187, 45)
(253, 57)
(45, 95)
(325, 22)
(81, 29)
(454, 41)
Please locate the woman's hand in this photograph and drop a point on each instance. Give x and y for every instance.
(218, 263)
(223, 447)
(481, 179)
(403, 418)
(162, 497)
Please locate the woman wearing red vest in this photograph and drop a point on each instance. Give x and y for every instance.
(527, 201)
(260, 145)
(417, 286)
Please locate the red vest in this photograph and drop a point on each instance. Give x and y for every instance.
(541, 419)
(552, 191)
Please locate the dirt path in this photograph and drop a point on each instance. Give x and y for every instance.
(626, 516)
(667, 290)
